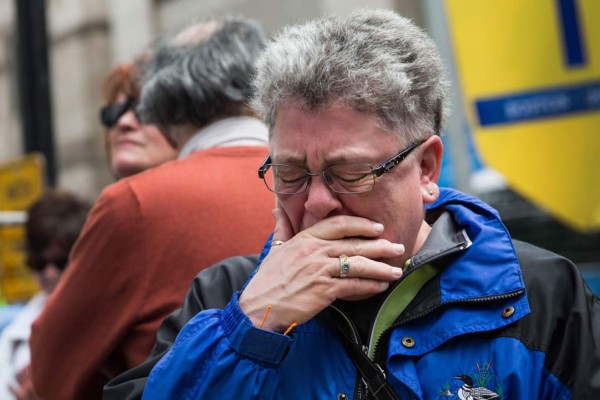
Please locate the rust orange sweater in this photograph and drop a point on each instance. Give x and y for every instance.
(145, 240)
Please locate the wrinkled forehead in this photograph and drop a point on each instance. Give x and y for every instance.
(337, 132)
(316, 109)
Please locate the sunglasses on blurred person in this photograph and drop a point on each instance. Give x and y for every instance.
(38, 264)
(110, 114)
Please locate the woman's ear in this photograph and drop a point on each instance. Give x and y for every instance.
(430, 164)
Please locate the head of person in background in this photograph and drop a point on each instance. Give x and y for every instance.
(201, 77)
(131, 146)
(53, 224)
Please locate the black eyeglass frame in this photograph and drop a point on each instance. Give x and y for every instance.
(111, 113)
(383, 167)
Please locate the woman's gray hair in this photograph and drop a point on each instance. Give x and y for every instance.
(203, 77)
(372, 60)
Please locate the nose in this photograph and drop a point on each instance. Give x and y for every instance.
(49, 277)
(51, 271)
(127, 122)
(321, 202)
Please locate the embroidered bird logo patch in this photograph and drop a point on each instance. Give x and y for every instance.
(468, 392)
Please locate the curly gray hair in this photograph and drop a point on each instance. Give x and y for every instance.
(371, 60)
(202, 74)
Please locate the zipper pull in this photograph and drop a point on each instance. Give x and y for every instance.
(407, 265)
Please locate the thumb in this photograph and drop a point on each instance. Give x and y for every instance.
(283, 228)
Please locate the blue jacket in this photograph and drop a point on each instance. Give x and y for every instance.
(502, 318)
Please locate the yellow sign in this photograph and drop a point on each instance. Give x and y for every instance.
(21, 183)
(530, 76)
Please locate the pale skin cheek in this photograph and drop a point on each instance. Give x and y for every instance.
(294, 210)
(112, 138)
(157, 148)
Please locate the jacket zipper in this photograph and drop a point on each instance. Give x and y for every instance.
(411, 268)
(361, 387)
(359, 383)
(437, 307)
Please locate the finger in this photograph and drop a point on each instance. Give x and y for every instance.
(370, 248)
(283, 228)
(357, 289)
(365, 268)
(344, 226)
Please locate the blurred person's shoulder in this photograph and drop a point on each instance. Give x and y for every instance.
(199, 165)
(177, 179)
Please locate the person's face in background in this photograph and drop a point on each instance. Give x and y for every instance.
(49, 265)
(134, 147)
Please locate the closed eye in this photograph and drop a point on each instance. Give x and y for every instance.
(352, 178)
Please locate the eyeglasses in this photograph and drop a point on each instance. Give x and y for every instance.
(38, 264)
(110, 114)
(348, 178)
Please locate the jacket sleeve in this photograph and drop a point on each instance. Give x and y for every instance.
(87, 315)
(220, 354)
(211, 289)
(564, 321)
(574, 351)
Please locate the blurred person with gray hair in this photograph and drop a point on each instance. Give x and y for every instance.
(199, 98)
(377, 283)
(148, 235)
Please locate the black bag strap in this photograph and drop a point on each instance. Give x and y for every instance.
(372, 373)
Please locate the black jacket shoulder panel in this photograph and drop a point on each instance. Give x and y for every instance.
(215, 285)
(212, 288)
(564, 321)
